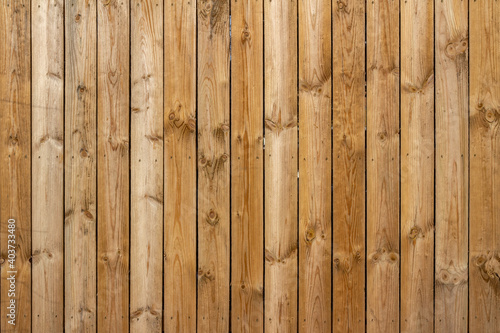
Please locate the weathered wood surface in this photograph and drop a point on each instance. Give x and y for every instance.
(47, 114)
(80, 167)
(382, 166)
(417, 166)
(146, 167)
(180, 234)
(452, 149)
(348, 155)
(247, 166)
(15, 159)
(213, 166)
(250, 165)
(113, 150)
(280, 166)
(315, 225)
(484, 110)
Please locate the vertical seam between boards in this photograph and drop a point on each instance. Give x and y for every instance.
(30, 135)
(331, 173)
(399, 171)
(297, 30)
(196, 162)
(129, 154)
(64, 167)
(263, 167)
(96, 152)
(468, 165)
(435, 164)
(365, 241)
(163, 254)
(230, 171)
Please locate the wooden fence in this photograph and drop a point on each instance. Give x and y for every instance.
(154, 178)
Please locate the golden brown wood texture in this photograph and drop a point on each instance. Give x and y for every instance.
(452, 133)
(80, 166)
(15, 157)
(315, 142)
(280, 166)
(484, 260)
(47, 101)
(113, 166)
(180, 166)
(390, 226)
(417, 166)
(213, 166)
(349, 121)
(146, 166)
(247, 167)
(382, 169)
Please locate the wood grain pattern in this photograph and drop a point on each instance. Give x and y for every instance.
(349, 121)
(180, 166)
(484, 255)
(146, 166)
(80, 147)
(452, 136)
(280, 166)
(247, 167)
(382, 169)
(315, 142)
(417, 166)
(15, 158)
(213, 166)
(47, 74)
(135, 131)
(113, 166)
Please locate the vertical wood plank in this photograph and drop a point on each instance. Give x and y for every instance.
(315, 143)
(417, 166)
(213, 166)
(113, 166)
(146, 166)
(281, 243)
(15, 157)
(484, 260)
(382, 166)
(47, 98)
(247, 192)
(349, 121)
(452, 141)
(180, 166)
(80, 166)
